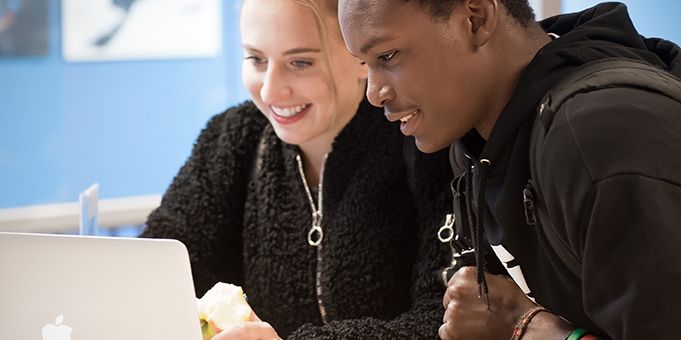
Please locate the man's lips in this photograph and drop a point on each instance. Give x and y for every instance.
(403, 116)
(409, 117)
(409, 123)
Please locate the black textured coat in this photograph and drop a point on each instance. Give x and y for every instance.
(379, 255)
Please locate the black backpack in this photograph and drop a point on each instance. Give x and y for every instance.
(593, 76)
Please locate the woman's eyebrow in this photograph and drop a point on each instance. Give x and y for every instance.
(288, 52)
(250, 48)
(302, 50)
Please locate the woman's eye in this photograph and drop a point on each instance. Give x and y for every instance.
(255, 60)
(387, 56)
(301, 64)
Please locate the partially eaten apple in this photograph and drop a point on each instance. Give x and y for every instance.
(222, 306)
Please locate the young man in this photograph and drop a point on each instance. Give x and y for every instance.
(587, 222)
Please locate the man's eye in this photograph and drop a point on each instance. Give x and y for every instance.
(387, 56)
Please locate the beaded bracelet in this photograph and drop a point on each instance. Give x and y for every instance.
(524, 320)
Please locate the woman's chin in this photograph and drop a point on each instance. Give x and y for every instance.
(289, 137)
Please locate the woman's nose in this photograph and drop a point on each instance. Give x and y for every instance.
(276, 87)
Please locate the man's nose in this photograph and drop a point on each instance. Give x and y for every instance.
(379, 92)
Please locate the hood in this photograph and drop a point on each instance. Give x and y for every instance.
(603, 31)
(610, 23)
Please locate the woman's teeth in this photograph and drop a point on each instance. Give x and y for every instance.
(289, 111)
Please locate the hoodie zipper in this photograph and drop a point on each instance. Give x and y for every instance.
(316, 234)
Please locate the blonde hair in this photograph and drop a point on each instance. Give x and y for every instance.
(321, 9)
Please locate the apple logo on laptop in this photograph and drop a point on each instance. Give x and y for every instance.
(57, 331)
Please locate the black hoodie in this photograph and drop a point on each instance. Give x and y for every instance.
(610, 175)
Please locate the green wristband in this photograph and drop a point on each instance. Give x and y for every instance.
(576, 334)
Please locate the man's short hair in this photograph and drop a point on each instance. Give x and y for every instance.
(442, 9)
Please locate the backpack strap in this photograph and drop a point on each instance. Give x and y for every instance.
(608, 73)
(595, 75)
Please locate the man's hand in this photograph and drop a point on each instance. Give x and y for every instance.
(466, 314)
(467, 317)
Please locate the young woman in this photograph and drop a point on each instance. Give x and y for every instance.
(303, 195)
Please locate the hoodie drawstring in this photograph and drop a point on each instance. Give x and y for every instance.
(475, 222)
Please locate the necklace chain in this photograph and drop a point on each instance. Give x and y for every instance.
(316, 213)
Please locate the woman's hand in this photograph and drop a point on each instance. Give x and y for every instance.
(254, 329)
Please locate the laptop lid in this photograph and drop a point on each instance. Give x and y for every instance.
(60, 287)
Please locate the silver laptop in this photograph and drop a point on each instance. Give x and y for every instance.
(59, 287)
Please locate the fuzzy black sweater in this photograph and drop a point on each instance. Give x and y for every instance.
(246, 223)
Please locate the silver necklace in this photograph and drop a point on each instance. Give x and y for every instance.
(316, 213)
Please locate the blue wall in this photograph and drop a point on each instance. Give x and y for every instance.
(652, 18)
(128, 125)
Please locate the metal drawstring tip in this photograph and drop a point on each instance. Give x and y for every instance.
(484, 293)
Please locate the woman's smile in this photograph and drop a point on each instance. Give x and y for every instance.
(289, 115)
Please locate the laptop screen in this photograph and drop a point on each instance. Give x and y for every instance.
(62, 287)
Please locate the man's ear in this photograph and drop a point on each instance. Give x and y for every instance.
(483, 18)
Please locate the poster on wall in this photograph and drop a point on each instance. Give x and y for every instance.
(99, 30)
(23, 27)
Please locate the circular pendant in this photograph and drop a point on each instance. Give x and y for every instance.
(315, 235)
(446, 232)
